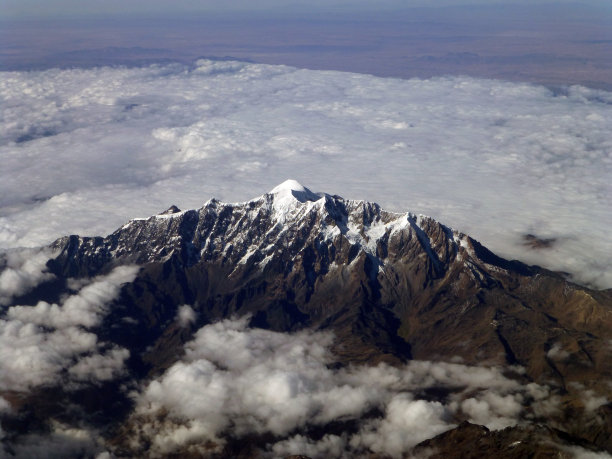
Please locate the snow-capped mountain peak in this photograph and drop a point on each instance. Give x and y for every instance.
(290, 222)
(294, 190)
(288, 197)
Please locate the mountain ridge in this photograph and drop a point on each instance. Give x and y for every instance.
(392, 288)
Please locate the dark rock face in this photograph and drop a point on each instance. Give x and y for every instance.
(392, 287)
(473, 441)
(538, 243)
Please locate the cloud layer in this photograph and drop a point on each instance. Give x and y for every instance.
(21, 271)
(39, 343)
(85, 150)
(253, 381)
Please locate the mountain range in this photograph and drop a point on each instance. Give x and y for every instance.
(513, 359)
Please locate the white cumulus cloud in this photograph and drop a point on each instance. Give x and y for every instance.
(253, 381)
(38, 343)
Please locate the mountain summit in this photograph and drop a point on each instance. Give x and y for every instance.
(295, 189)
(391, 288)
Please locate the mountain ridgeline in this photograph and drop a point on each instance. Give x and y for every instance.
(391, 287)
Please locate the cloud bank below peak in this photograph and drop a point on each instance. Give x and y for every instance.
(258, 382)
(85, 150)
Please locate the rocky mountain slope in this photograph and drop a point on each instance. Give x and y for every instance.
(392, 288)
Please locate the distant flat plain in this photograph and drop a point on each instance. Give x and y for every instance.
(553, 45)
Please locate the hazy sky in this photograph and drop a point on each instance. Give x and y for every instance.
(14, 8)
(551, 43)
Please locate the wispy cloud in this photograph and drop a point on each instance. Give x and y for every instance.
(186, 315)
(85, 150)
